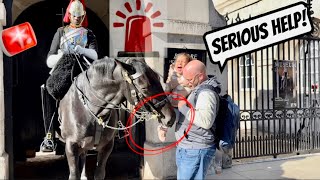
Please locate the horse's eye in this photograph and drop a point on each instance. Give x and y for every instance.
(142, 82)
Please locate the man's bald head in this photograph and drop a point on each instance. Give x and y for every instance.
(195, 73)
(194, 67)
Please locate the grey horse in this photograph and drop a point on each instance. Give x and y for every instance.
(91, 100)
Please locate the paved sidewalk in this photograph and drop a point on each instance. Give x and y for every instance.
(296, 167)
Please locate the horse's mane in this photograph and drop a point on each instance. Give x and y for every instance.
(152, 74)
(104, 67)
(143, 67)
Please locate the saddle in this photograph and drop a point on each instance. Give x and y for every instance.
(62, 76)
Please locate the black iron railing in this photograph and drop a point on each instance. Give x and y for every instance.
(277, 90)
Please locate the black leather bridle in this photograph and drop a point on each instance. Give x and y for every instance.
(152, 105)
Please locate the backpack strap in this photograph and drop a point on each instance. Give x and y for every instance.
(218, 98)
(204, 87)
(211, 88)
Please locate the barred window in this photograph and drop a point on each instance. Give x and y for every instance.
(246, 72)
(309, 65)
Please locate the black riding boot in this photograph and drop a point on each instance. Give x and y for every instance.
(48, 112)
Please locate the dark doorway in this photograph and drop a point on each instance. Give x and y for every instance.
(30, 71)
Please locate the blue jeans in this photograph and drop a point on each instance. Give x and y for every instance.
(194, 163)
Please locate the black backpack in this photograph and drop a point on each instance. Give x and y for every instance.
(227, 120)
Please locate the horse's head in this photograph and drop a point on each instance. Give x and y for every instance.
(143, 83)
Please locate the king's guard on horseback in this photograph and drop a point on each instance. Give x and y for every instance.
(72, 45)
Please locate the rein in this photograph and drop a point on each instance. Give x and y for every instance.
(86, 101)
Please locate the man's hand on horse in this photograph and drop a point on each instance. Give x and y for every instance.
(181, 103)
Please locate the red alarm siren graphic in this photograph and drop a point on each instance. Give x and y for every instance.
(17, 39)
(138, 27)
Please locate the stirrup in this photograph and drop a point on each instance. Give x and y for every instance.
(47, 144)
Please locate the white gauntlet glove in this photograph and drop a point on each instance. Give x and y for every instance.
(90, 53)
(54, 58)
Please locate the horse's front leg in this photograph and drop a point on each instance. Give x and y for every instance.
(72, 152)
(82, 165)
(102, 158)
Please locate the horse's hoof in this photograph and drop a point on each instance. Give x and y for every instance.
(74, 178)
(83, 177)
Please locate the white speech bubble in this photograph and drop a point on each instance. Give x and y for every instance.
(234, 40)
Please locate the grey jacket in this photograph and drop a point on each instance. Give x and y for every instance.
(200, 134)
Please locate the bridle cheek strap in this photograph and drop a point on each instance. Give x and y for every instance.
(136, 95)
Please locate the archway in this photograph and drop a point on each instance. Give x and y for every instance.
(30, 71)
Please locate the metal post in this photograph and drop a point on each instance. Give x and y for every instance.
(62, 16)
(4, 157)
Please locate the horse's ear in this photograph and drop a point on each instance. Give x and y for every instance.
(126, 66)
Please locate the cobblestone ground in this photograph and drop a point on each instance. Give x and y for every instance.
(49, 166)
